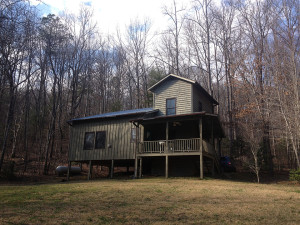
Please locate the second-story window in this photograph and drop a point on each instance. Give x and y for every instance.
(171, 106)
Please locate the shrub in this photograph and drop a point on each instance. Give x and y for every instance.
(8, 170)
(295, 175)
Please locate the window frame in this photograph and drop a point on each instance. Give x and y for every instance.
(168, 99)
(133, 140)
(102, 146)
(85, 147)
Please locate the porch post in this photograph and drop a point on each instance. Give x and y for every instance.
(112, 169)
(213, 167)
(167, 137)
(90, 170)
(137, 137)
(136, 151)
(219, 146)
(141, 167)
(201, 150)
(212, 134)
(69, 168)
(135, 166)
(167, 150)
(167, 167)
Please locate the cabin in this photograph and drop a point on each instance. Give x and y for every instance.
(179, 136)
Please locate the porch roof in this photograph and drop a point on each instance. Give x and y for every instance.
(181, 117)
(187, 116)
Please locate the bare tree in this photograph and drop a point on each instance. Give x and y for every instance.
(13, 20)
(284, 59)
(255, 19)
(135, 45)
(252, 133)
(201, 27)
(177, 18)
(228, 36)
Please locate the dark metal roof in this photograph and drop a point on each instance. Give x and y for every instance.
(117, 114)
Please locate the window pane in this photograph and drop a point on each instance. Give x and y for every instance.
(171, 111)
(133, 134)
(171, 103)
(100, 139)
(171, 106)
(89, 140)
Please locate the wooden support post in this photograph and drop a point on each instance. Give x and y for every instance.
(141, 168)
(136, 151)
(212, 134)
(69, 169)
(135, 167)
(167, 137)
(213, 168)
(137, 138)
(112, 169)
(201, 149)
(219, 146)
(167, 167)
(90, 170)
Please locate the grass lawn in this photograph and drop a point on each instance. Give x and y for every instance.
(150, 201)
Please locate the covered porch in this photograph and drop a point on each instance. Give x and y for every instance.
(196, 134)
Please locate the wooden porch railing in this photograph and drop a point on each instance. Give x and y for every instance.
(184, 145)
(153, 146)
(176, 145)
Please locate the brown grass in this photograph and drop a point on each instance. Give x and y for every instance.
(151, 201)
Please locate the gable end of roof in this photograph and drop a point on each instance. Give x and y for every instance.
(195, 83)
(168, 77)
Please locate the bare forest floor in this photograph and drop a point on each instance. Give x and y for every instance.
(149, 201)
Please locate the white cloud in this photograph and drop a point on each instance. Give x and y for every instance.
(112, 13)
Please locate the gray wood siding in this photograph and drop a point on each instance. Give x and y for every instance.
(178, 89)
(198, 96)
(118, 135)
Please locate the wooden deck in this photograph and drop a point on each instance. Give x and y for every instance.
(178, 147)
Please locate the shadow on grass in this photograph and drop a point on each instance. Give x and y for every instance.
(245, 177)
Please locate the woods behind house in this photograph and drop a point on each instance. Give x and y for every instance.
(58, 67)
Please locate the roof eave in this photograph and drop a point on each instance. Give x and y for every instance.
(207, 94)
(170, 75)
(171, 116)
(70, 122)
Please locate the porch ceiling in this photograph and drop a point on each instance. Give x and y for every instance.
(218, 130)
(180, 117)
